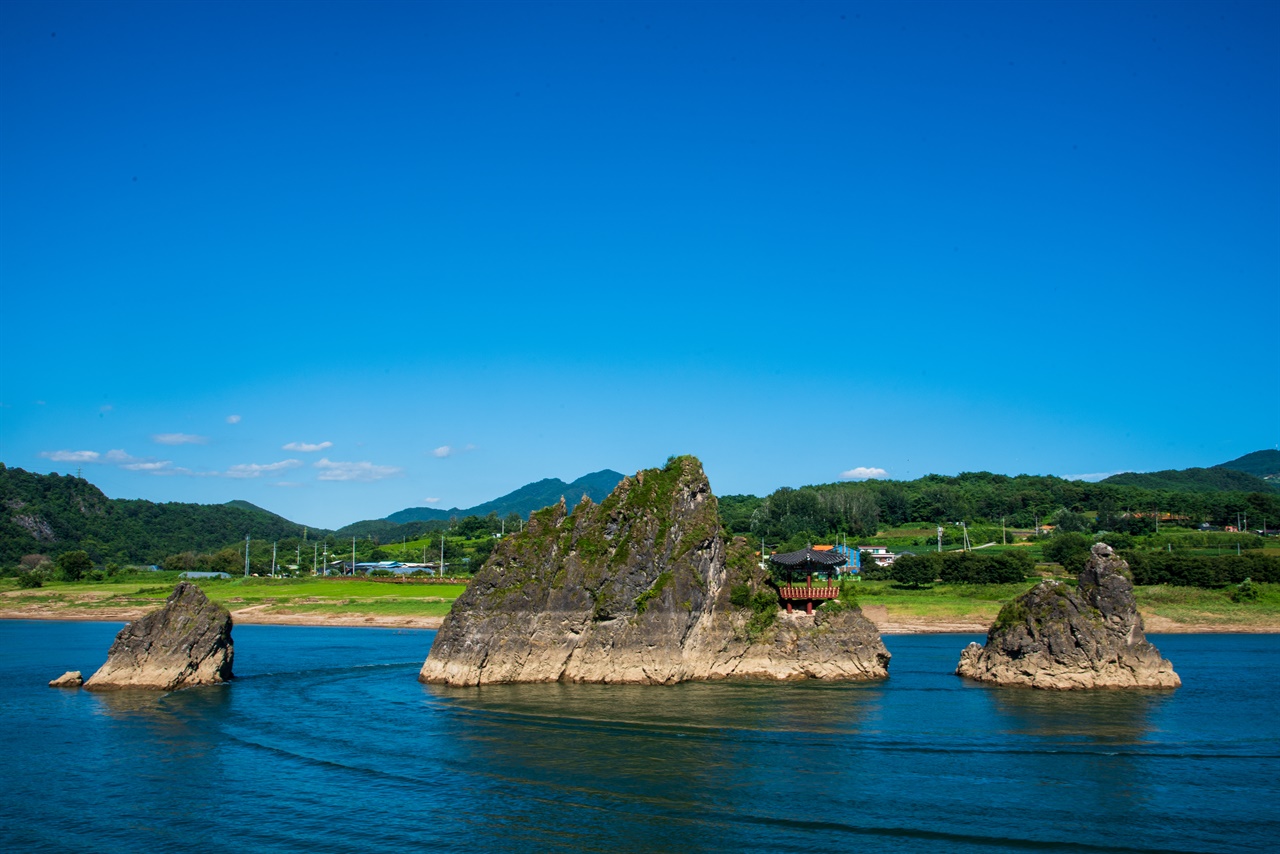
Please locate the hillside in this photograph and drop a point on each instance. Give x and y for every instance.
(50, 514)
(523, 501)
(1216, 479)
(1263, 464)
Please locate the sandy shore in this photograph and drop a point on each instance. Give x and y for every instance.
(889, 624)
(251, 616)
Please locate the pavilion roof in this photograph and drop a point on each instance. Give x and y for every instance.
(810, 557)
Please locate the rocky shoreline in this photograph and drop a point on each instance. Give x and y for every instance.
(886, 623)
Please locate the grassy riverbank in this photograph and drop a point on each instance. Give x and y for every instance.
(941, 607)
(252, 599)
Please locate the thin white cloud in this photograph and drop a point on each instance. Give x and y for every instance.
(178, 439)
(286, 484)
(151, 467)
(258, 469)
(364, 472)
(1093, 477)
(233, 419)
(71, 456)
(107, 408)
(450, 451)
(307, 447)
(863, 473)
(432, 500)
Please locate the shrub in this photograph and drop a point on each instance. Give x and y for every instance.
(1246, 591)
(1202, 570)
(1069, 549)
(985, 567)
(28, 580)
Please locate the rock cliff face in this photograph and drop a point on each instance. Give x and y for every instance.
(185, 643)
(1056, 637)
(641, 588)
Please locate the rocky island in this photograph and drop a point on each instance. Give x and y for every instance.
(185, 643)
(1059, 638)
(641, 588)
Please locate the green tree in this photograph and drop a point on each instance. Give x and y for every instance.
(72, 566)
(1069, 549)
(915, 570)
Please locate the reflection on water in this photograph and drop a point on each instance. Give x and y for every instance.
(328, 743)
(1112, 718)
(796, 706)
(1098, 737)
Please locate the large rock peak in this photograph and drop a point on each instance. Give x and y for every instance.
(635, 589)
(1056, 637)
(187, 642)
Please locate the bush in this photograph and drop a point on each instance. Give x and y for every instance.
(985, 567)
(764, 607)
(1246, 591)
(27, 580)
(1069, 549)
(1202, 570)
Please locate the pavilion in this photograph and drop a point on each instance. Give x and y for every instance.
(808, 562)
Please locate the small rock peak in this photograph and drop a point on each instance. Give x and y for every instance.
(585, 500)
(70, 679)
(1057, 637)
(186, 642)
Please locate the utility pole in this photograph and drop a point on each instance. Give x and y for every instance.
(939, 539)
(1003, 539)
(273, 559)
(353, 555)
(246, 555)
(315, 560)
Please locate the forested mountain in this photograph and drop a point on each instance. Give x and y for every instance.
(523, 501)
(50, 514)
(860, 509)
(1216, 479)
(1263, 464)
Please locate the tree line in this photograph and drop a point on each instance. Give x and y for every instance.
(861, 509)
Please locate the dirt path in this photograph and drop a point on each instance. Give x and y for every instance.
(890, 624)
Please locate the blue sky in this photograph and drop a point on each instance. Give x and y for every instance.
(339, 259)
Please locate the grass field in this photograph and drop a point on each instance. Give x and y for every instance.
(346, 597)
(316, 596)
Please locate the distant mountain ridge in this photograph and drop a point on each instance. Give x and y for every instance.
(50, 514)
(1255, 472)
(1263, 464)
(523, 501)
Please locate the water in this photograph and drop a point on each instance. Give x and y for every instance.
(327, 743)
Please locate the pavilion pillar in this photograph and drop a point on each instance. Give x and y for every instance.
(808, 606)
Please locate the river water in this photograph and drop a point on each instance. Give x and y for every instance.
(326, 742)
